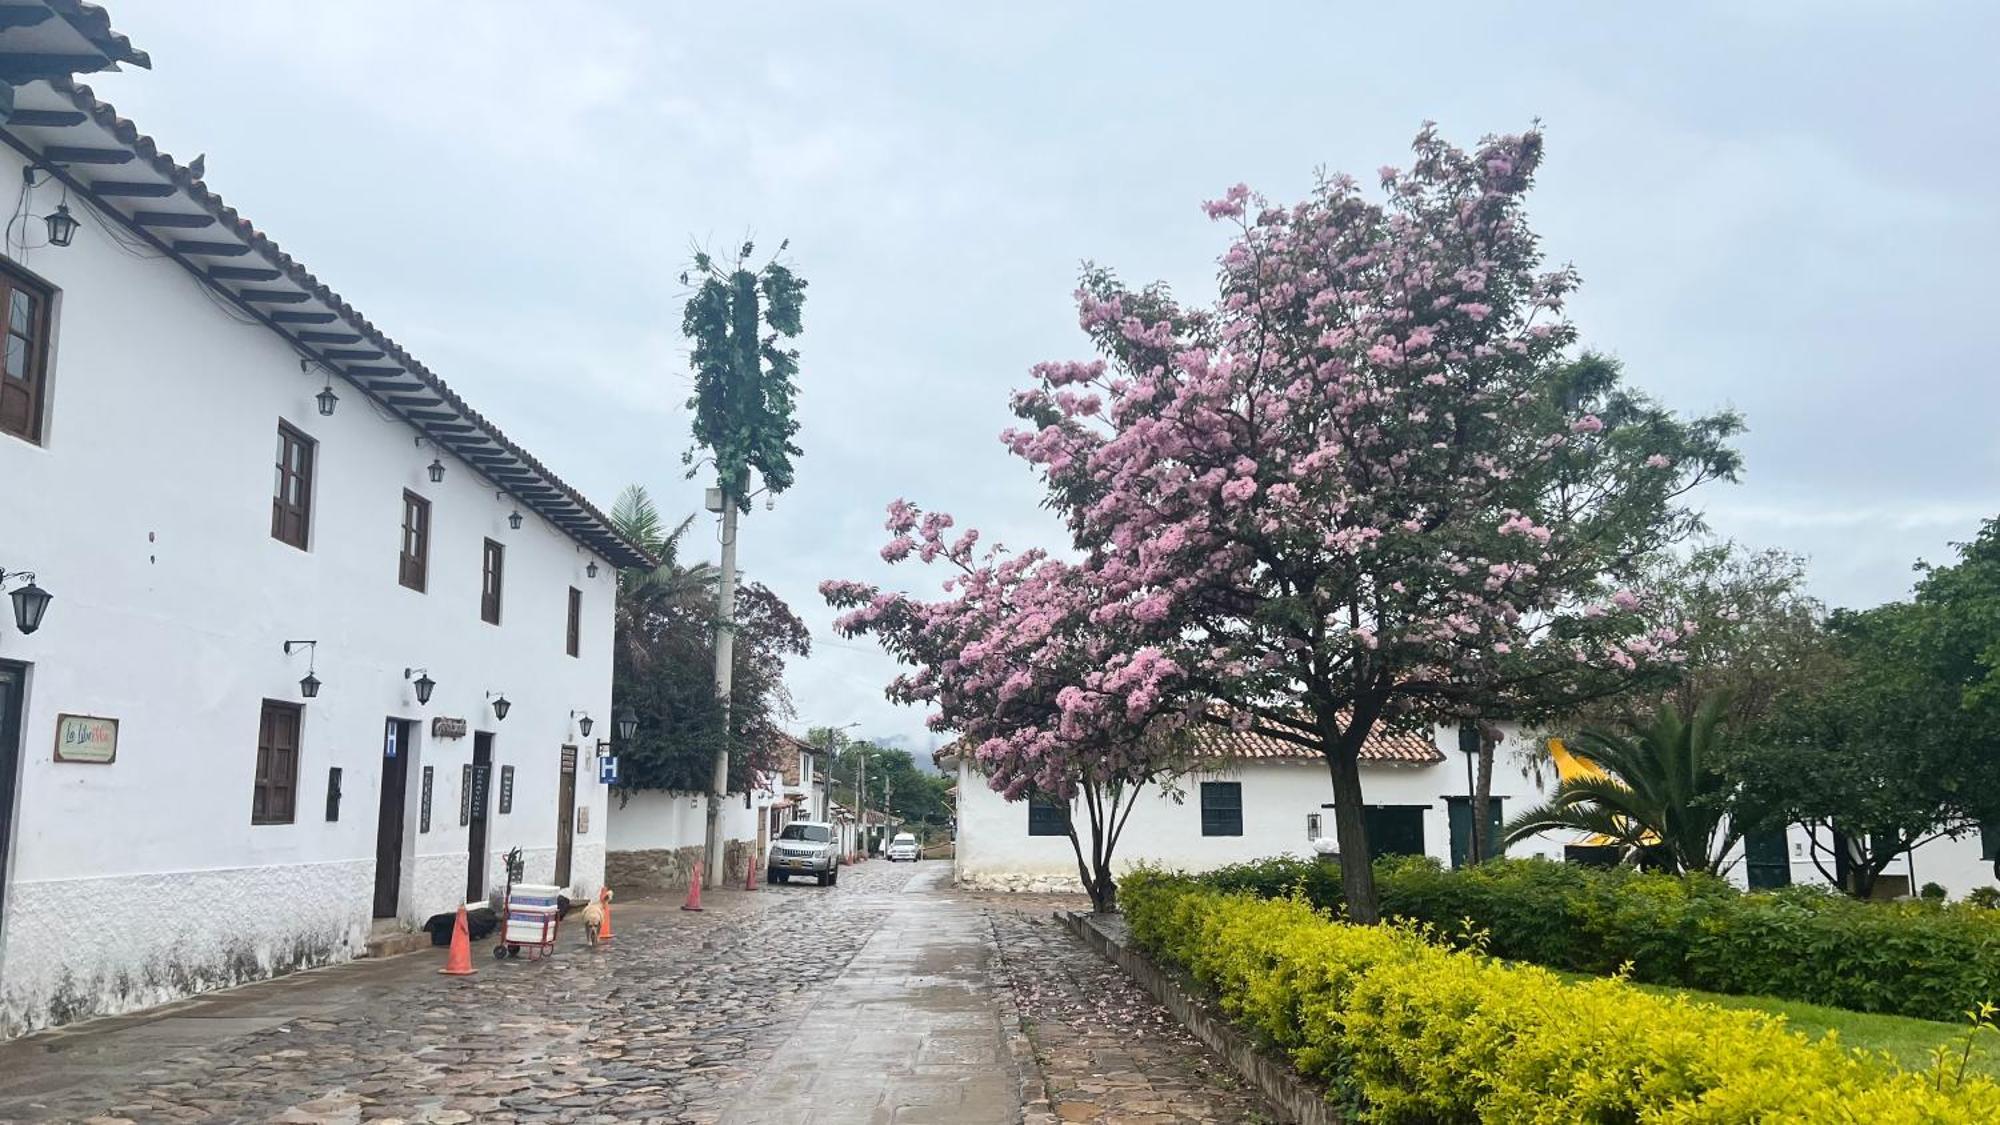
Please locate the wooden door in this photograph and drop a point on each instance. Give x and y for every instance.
(12, 678)
(565, 814)
(396, 739)
(475, 840)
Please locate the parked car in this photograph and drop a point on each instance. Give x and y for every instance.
(904, 846)
(804, 847)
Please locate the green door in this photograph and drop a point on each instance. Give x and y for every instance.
(1394, 829)
(1459, 809)
(1766, 860)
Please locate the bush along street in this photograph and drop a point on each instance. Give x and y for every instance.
(1402, 1028)
(1924, 959)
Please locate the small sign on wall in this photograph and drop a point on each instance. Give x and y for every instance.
(506, 789)
(424, 812)
(465, 795)
(607, 770)
(583, 820)
(86, 738)
(442, 727)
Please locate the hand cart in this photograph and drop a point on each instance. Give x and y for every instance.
(531, 914)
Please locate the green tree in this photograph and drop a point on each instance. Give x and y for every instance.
(1661, 795)
(744, 376)
(665, 622)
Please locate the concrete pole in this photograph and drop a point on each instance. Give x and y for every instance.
(861, 803)
(725, 667)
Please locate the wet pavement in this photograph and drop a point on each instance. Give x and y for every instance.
(887, 999)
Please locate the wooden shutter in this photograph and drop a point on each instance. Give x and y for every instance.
(1222, 808)
(573, 642)
(276, 794)
(24, 354)
(490, 581)
(414, 568)
(291, 498)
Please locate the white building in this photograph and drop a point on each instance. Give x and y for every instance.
(1272, 798)
(178, 811)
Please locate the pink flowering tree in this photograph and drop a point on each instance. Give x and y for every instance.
(1375, 482)
(1050, 700)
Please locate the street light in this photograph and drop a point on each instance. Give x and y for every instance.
(500, 705)
(30, 602)
(308, 687)
(62, 225)
(424, 685)
(628, 725)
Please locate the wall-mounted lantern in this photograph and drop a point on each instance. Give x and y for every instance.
(436, 470)
(514, 520)
(628, 725)
(583, 722)
(308, 687)
(590, 569)
(62, 225)
(30, 600)
(326, 399)
(500, 705)
(424, 685)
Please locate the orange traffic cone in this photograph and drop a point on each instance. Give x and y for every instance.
(604, 931)
(694, 890)
(458, 962)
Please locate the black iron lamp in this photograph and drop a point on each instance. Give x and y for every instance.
(514, 520)
(500, 705)
(590, 569)
(308, 687)
(326, 399)
(424, 685)
(62, 225)
(436, 471)
(628, 725)
(583, 722)
(30, 601)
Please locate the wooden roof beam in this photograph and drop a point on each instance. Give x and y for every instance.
(77, 154)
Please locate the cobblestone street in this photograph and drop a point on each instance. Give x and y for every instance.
(887, 998)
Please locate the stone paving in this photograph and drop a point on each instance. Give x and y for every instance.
(1106, 1051)
(886, 999)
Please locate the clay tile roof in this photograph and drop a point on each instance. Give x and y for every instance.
(167, 204)
(94, 24)
(1392, 746)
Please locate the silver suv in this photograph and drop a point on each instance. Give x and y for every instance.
(805, 847)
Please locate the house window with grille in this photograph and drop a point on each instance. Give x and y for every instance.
(291, 496)
(1222, 808)
(1047, 817)
(275, 798)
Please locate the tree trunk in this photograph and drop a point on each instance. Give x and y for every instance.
(1357, 875)
(1482, 795)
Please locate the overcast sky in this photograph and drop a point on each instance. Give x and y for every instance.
(1784, 207)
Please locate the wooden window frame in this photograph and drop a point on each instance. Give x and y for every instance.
(492, 580)
(1220, 817)
(274, 794)
(573, 635)
(413, 564)
(284, 511)
(1047, 817)
(33, 387)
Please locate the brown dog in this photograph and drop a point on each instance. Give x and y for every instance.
(593, 914)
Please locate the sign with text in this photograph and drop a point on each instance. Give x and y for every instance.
(506, 789)
(465, 795)
(424, 817)
(442, 727)
(583, 821)
(607, 770)
(86, 738)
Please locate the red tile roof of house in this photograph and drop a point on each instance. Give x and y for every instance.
(1222, 742)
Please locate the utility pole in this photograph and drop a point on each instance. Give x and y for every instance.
(725, 668)
(861, 800)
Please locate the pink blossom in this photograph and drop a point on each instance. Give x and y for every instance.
(1588, 424)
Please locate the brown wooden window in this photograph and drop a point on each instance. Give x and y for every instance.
(573, 642)
(276, 795)
(489, 583)
(291, 498)
(414, 569)
(24, 369)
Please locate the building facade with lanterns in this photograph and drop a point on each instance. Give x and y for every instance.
(298, 646)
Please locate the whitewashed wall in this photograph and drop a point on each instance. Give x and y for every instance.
(146, 512)
(995, 851)
(654, 820)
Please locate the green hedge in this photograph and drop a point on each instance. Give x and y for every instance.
(1919, 959)
(1404, 1030)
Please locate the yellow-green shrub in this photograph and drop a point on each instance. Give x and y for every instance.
(1408, 1031)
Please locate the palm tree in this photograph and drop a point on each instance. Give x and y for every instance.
(1658, 793)
(668, 590)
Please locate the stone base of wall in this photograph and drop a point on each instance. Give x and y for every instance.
(1018, 882)
(669, 869)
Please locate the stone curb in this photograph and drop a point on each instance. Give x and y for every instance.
(1035, 1106)
(1279, 1084)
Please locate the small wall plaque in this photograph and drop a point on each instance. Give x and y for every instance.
(424, 813)
(506, 789)
(442, 727)
(583, 820)
(465, 795)
(86, 738)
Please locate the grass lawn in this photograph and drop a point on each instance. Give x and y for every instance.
(1908, 1040)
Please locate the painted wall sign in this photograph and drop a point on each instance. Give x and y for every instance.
(442, 727)
(86, 738)
(607, 770)
(506, 789)
(465, 795)
(424, 814)
(583, 820)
